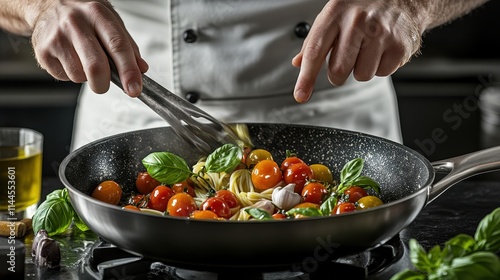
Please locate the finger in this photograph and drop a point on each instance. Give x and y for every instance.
(297, 60)
(118, 46)
(315, 50)
(55, 69)
(368, 61)
(143, 65)
(72, 66)
(344, 55)
(388, 65)
(93, 59)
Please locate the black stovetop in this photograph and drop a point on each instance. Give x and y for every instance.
(458, 210)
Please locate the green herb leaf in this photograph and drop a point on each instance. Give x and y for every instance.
(224, 159)
(366, 183)
(419, 258)
(166, 167)
(328, 205)
(352, 170)
(488, 232)
(479, 265)
(79, 223)
(306, 211)
(54, 215)
(259, 214)
(458, 246)
(409, 275)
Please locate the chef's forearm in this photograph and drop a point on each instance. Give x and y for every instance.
(18, 16)
(432, 13)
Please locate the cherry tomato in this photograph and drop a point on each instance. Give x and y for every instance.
(159, 198)
(355, 193)
(289, 161)
(109, 192)
(184, 186)
(145, 183)
(131, 207)
(181, 205)
(314, 192)
(344, 207)
(257, 155)
(306, 205)
(204, 215)
(218, 206)
(298, 174)
(279, 216)
(369, 202)
(322, 173)
(266, 174)
(228, 197)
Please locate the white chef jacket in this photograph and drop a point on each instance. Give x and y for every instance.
(233, 60)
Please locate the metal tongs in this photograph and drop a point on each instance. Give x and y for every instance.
(189, 122)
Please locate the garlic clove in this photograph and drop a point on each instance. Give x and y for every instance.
(285, 197)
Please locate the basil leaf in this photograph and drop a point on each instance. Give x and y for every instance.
(328, 205)
(79, 223)
(166, 167)
(259, 214)
(409, 275)
(307, 211)
(479, 265)
(352, 170)
(366, 183)
(458, 246)
(488, 232)
(54, 215)
(58, 194)
(224, 159)
(419, 258)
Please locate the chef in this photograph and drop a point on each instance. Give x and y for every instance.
(233, 59)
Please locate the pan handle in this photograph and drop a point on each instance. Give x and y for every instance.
(462, 167)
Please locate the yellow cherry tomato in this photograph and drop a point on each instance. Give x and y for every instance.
(257, 155)
(369, 202)
(321, 173)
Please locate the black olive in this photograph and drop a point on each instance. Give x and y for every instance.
(48, 254)
(41, 234)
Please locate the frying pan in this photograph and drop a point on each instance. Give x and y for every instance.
(405, 176)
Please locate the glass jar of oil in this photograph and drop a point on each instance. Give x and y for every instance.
(20, 172)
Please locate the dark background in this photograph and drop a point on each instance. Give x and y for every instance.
(458, 62)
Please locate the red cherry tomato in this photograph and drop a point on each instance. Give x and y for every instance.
(109, 192)
(228, 197)
(355, 193)
(314, 192)
(279, 216)
(181, 205)
(159, 198)
(131, 207)
(298, 174)
(344, 207)
(145, 183)
(183, 186)
(204, 215)
(266, 174)
(218, 206)
(287, 162)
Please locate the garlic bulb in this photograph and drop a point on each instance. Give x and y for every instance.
(285, 197)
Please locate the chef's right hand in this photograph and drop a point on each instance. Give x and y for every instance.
(71, 40)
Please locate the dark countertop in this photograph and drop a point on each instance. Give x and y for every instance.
(458, 210)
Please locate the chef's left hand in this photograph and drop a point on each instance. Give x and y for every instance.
(366, 38)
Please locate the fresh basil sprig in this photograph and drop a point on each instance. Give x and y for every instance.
(56, 214)
(166, 167)
(351, 176)
(462, 257)
(169, 168)
(258, 214)
(224, 159)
